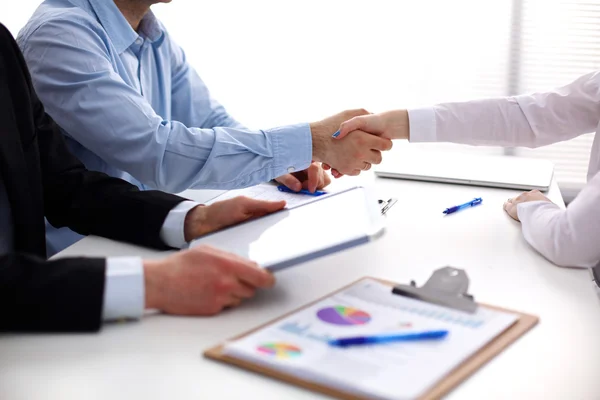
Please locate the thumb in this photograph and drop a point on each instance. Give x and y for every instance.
(356, 123)
(262, 207)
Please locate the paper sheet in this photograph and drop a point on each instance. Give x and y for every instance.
(298, 345)
(267, 191)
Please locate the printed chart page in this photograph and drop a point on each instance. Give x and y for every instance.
(298, 344)
(269, 191)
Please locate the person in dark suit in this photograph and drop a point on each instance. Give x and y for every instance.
(40, 178)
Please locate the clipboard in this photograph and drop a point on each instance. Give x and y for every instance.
(524, 323)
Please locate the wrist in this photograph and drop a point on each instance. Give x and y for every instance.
(400, 124)
(319, 143)
(195, 224)
(153, 281)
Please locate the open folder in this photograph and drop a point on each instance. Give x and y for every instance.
(288, 237)
(295, 348)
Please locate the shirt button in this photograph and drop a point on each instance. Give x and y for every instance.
(139, 40)
(291, 169)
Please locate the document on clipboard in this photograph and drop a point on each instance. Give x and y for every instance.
(296, 348)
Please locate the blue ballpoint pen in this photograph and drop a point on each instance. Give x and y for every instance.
(476, 201)
(286, 189)
(388, 338)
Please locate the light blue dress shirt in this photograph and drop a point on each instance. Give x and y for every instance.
(131, 106)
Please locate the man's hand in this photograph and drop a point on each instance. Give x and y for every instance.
(510, 206)
(390, 125)
(351, 156)
(201, 281)
(312, 178)
(205, 219)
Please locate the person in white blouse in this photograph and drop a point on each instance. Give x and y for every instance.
(567, 237)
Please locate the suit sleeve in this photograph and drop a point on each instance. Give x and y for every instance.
(91, 202)
(50, 296)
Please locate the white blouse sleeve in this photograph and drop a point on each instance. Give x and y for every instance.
(529, 120)
(571, 237)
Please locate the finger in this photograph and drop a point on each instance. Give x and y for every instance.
(325, 167)
(290, 181)
(356, 123)
(325, 180)
(251, 274)
(377, 143)
(336, 174)
(258, 208)
(232, 302)
(367, 166)
(374, 157)
(313, 173)
(243, 291)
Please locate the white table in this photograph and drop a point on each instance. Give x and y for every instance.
(160, 356)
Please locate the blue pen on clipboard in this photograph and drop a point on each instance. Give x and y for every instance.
(286, 189)
(476, 201)
(388, 338)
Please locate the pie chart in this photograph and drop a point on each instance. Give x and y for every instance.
(342, 315)
(280, 350)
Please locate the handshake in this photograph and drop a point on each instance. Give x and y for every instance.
(204, 280)
(364, 136)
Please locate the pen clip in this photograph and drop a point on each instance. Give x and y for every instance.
(476, 201)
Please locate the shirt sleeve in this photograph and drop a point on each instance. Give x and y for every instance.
(74, 76)
(529, 120)
(124, 288)
(172, 232)
(570, 237)
(124, 296)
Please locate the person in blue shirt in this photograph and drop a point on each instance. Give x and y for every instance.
(131, 106)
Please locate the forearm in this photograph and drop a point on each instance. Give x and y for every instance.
(40, 296)
(527, 120)
(568, 237)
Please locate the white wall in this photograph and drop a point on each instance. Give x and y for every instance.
(14, 14)
(273, 62)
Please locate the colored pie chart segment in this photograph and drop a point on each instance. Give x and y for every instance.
(341, 315)
(280, 350)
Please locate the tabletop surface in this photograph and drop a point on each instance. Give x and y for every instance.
(160, 356)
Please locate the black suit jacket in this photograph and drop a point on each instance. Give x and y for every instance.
(43, 179)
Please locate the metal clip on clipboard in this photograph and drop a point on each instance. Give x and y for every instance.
(446, 287)
(386, 205)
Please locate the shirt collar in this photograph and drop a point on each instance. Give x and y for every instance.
(118, 29)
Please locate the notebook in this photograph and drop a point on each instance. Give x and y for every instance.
(467, 169)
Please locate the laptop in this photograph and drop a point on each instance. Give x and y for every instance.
(292, 236)
(493, 171)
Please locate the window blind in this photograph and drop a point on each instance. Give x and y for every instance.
(558, 42)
